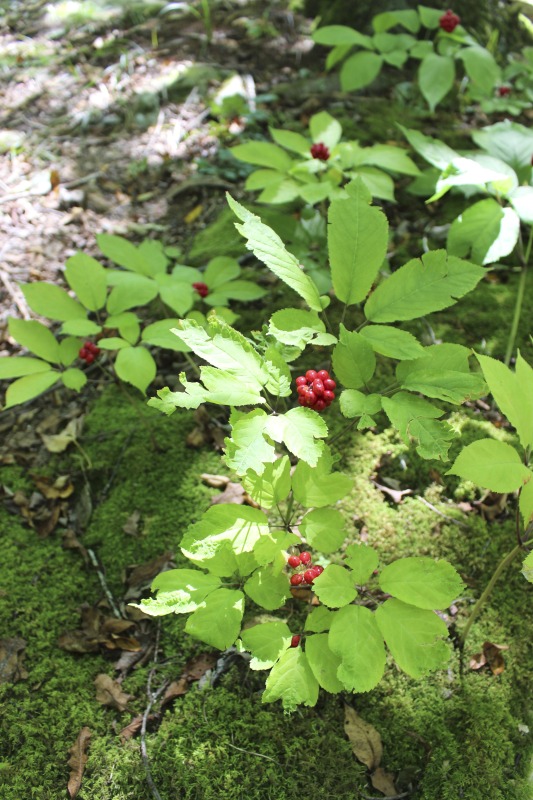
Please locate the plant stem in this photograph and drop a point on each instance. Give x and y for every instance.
(519, 299)
(504, 563)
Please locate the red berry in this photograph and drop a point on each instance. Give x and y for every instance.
(305, 557)
(318, 570)
(503, 91)
(309, 575)
(320, 151)
(329, 384)
(96, 351)
(320, 405)
(89, 358)
(302, 400)
(302, 390)
(310, 375)
(296, 579)
(295, 641)
(83, 352)
(328, 396)
(301, 380)
(293, 561)
(201, 288)
(318, 386)
(323, 374)
(449, 21)
(310, 398)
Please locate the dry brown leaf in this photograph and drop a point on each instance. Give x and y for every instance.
(11, 656)
(77, 761)
(491, 655)
(131, 526)
(139, 577)
(234, 493)
(99, 631)
(194, 669)
(109, 693)
(176, 689)
(70, 542)
(61, 488)
(130, 730)
(58, 442)
(216, 481)
(364, 738)
(384, 782)
(48, 524)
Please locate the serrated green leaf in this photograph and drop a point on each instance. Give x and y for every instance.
(319, 619)
(30, 386)
(513, 392)
(273, 486)
(268, 588)
(442, 373)
(436, 76)
(475, 231)
(323, 529)
(493, 465)
(527, 568)
(360, 70)
(392, 342)
(300, 429)
(323, 662)
(224, 530)
(248, 449)
(218, 620)
(291, 680)
(414, 636)
(422, 286)
(36, 337)
(354, 403)
(353, 359)
(362, 560)
(335, 586)
(266, 643)
(269, 248)
(74, 379)
(297, 328)
(123, 253)
(377, 182)
(280, 378)
(316, 487)
(18, 366)
(422, 582)
(52, 301)
(135, 365)
(415, 418)
(355, 638)
(179, 591)
(87, 278)
(357, 243)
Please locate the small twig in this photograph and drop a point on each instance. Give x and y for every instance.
(152, 698)
(252, 753)
(14, 292)
(441, 514)
(103, 582)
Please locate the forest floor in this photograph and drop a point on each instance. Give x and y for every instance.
(108, 125)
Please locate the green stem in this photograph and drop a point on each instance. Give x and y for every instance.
(504, 563)
(519, 300)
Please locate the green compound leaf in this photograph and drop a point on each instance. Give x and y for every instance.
(319, 619)
(218, 620)
(248, 449)
(315, 487)
(74, 379)
(493, 465)
(513, 391)
(129, 291)
(273, 486)
(325, 128)
(269, 248)
(298, 328)
(323, 529)
(266, 643)
(509, 141)
(422, 286)
(480, 67)
(415, 418)
(527, 568)
(36, 338)
(179, 591)
(422, 582)
(335, 586)
(159, 334)
(80, 327)
(135, 365)
(291, 141)
(353, 359)
(323, 662)
(30, 386)
(123, 253)
(69, 349)
(357, 243)
(224, 533)
(475, 232)
(433, 150)
(414, 636)
(268, 588)
(87, 278)
(291, 680)
(263, 154)
(334, 35)
(299, 429)
(362, 560)
(52, 302)
(354, 403)
(436, 76)
(392, 342)
(360, 70)
(128, 325)
(355, 638)
(443, 373)
(17, 366)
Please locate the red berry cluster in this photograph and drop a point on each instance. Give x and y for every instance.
(449, 21)
(306, 572)
(503, 91)
(320, 151)
(201, 288)
(295, 641)
(88, 352)
(315, 389)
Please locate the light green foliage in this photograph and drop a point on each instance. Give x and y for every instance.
(323, 529)
(362, 653)
(292, 681)
(513, 392)
(362, 560)
(438, 58)
(353, 359)
(418, 419)
(217, 621)
(492, 464)
(335, 587)
(527, 567)
(323, 662)
(266, 642)
(422, 582)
